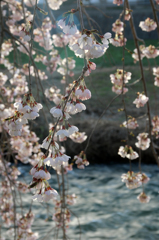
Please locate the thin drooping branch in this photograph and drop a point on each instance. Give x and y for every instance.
(50, 13)
(155, 15)
(34, 65)
(143, 81)
(81, 15)
(31, 44)
(123, 98)
(99, 121)
(80, 5)
(66, 100)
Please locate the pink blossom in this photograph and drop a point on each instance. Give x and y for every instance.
(143, 141)
(151, 52)
(3, 79)
(128, 152)
(78, 137)
(72, 129)
(131, 123)
(80, 107)
(143, 198)
(55, 4)
(62, 133)
(118, 26)
(41, 174)
(71, 199)
(156, 71)
(132, 180)
(56, 112)
(118, 40)
(145, 178)
(135, 54)
(148, 25)
(49, 194)
(70, 28)
(118, 2)
(141, 100)
(118, 89)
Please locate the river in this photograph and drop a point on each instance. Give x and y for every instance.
(105, 207)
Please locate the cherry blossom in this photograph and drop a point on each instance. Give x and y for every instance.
(49, 194)
(81, 160)
(53, 93)
(118, 40)
(143, 198)
(72, 129)
(143, 141)
(118, 26)
(71, 199)
(151, 52)
(3, 79)
(78, 137)
(141, 100)
(118, 2)
(148, 25)
(156, 71)
(41, 174)
(128, 152)
(30, 3)
(70, 28)
(132, 180)
(55, 4)
(145, 178)
(86, 46)
(105, 38)
(91, 66)
(123, 151)
(130, 124)
(135, 54)
(118, 89)
(62, 133)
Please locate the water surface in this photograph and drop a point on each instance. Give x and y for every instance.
(105, 207)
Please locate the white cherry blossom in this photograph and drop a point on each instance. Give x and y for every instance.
(50, 194)
(56, 112)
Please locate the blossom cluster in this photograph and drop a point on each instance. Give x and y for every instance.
(118, 27)
(148, 52)
(119, 79)
(128, 152)
(26, 110)
(130, 124)
(135, 180)
(141, 100)
(7, 210)
(148, 25)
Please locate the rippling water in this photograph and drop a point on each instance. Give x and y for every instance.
(105, 207)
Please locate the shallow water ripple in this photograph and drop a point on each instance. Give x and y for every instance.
(105, 207)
